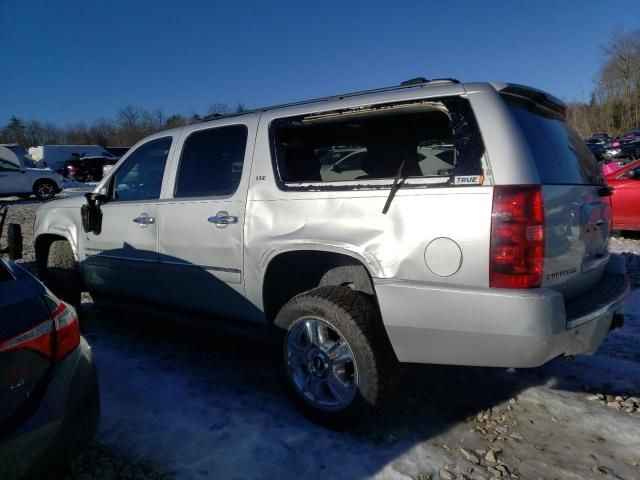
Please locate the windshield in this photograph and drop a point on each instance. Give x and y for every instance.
(561, 156)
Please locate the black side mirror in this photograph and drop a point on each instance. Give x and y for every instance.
(91, 213)
(336, 168)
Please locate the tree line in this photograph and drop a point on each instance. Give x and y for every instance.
(614, 106)
(130, 125)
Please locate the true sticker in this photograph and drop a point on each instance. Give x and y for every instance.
(468, 180)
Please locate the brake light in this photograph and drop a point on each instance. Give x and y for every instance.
(517, 237)
(54, 338)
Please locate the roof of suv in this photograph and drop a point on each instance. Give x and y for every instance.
(416, 83)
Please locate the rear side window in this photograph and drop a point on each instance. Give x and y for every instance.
(561, 156)
(211, 162)
(436, 139)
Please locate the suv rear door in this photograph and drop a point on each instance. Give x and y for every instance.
(577, 205)
(201, 226)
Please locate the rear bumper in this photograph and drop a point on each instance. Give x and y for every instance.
(64, 422)
(433, 323)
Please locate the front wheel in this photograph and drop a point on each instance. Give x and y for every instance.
(334, 360)
(45, 189)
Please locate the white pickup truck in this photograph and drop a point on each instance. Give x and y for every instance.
(18, 177)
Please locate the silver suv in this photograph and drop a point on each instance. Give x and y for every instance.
(434, 222)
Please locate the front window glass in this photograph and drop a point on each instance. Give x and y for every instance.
(140, 176)
(8, 166)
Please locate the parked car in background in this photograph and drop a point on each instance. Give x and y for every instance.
(599, 139)
(627, 137)
(49, 402)
(54, 156)
(475, 231)
(87, 169)
(625, 201)
(625, 150)
(598, 150)
(117, 152)
(18, 177)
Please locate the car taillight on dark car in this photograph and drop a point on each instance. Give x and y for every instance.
(517, 237)
(55, 337)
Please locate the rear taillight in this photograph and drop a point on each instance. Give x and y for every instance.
(517, 237)
(54, 338)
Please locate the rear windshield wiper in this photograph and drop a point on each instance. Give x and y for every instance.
(394, 188)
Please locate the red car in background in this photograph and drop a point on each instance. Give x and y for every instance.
(625, 202)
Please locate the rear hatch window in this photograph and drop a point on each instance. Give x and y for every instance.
(561, 156)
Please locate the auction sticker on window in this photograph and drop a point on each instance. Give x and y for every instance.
(468, 180)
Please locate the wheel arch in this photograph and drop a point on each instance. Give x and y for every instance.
(40, 180)
(283, 278)
(42, 243)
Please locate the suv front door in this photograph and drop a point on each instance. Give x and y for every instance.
(201, 228)
(123, 258)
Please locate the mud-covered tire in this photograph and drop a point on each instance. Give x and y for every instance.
(45, 189)
(355, 317)
(62, 275)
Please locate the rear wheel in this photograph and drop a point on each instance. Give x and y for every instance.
(62, 275)
(45, 189)
(333, 359)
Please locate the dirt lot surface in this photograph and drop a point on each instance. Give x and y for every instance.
(179, 403)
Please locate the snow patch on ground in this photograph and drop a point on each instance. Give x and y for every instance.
(209, 406)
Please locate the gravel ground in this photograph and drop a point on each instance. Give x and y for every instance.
(215, 412)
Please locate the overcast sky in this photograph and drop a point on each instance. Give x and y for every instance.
(66, 61)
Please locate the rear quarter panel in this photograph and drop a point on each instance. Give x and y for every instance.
(351, 222)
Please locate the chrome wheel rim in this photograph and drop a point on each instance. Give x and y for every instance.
(320, 364)
(45, 190)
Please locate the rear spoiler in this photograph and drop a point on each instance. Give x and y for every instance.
(530, 94)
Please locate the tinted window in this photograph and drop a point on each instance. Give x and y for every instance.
(560, 154)
(211, 162)
(428, 139)
(140, 176)
(6, 165)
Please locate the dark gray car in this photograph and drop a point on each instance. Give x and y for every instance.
(49, 402)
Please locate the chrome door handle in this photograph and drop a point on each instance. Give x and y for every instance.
(223, 218)
(144, 219)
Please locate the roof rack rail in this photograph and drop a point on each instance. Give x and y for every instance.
(420, 80)
(413, 82)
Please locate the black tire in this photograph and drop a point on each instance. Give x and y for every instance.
(62, 275)
(45, 189)
(355, 317)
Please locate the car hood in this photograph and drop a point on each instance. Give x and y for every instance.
(74, 200)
